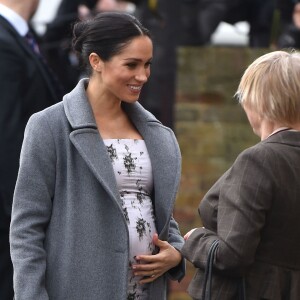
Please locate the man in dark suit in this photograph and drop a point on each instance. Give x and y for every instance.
(26, 87)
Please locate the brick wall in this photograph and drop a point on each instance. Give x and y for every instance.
(211, 127)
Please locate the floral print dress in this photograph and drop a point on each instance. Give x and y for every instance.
(133, 171)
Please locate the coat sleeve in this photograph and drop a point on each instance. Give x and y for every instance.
(32, 205)
(176, 240)
(243, 197)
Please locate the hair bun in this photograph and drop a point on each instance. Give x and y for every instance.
(79, 30)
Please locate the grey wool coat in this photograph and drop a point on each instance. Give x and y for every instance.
(253, 210)
(68, 235)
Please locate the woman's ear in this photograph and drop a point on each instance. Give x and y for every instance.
(95, 62)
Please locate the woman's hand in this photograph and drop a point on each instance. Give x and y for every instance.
(153, 266)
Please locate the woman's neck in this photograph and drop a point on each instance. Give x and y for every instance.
(111, 120)
(104, 107)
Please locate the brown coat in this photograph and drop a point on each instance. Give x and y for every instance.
(253, 209)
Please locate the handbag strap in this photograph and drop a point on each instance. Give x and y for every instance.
(242, 289)
(206, 292)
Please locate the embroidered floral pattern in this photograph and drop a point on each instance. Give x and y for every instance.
(131, 296)
(112, 152)
(140, 195)
(129, 163)
(140, 227)
(133, 172)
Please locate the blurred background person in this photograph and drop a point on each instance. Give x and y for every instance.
(289, 16)
(57, 37)
(161, 17)
(27, 86)
(56, 44)
(200, 18)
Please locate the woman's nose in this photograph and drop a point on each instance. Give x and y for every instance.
(142, 75)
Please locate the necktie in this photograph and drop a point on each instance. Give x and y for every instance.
(29, 37)
(32, 42)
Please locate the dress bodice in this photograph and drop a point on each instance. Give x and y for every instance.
(133, 172)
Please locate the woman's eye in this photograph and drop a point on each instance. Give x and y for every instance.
(131, 65)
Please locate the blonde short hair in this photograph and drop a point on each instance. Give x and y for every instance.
(270, 86)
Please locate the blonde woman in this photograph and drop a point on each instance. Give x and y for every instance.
(253, 209)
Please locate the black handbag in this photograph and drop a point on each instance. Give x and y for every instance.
(206, 292)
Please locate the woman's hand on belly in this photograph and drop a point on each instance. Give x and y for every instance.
(153, 266)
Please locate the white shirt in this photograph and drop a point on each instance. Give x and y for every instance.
(14, 19)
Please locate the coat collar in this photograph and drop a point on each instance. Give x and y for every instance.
(80, 114)
(287, 137)
(77, 107)
(160, 141)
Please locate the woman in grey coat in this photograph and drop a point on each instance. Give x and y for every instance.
(92, 210)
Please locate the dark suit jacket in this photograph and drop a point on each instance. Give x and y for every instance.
(25, 89)
(286, 8)
(253, 209)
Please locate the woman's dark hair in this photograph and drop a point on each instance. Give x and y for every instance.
(106, 34)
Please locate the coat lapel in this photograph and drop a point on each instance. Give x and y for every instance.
(86, 139)
(92, 149)
(165, 159)
(160, 141)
